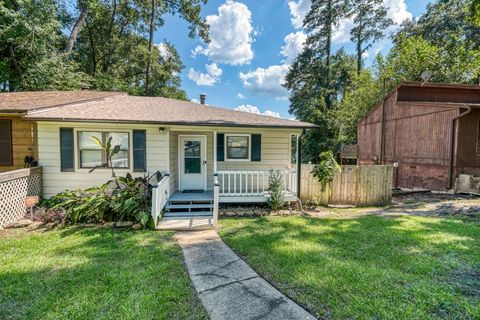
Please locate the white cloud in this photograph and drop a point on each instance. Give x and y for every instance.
(230, 35)
(268, 81)
(206, 79)
(397, 10)
(201, 79)
(194, 100)
(298, 10)
(241, 96)
(213, 70)
(254, 109)
(294, 43)
(164, 50)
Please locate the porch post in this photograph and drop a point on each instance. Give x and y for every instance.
(215, 152)
(299, 163)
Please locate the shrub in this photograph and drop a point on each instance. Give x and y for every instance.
(327, 168)
(276, 201)
(124, 198)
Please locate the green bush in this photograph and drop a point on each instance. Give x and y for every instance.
(327, 168)
(122, 199)
(276, 201)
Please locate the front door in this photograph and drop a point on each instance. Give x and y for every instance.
(192, 162)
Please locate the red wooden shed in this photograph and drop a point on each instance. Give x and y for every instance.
(431, 131)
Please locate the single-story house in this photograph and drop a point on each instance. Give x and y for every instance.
(193, 145)
(430, 132)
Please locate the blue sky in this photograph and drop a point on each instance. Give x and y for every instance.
(252, 45)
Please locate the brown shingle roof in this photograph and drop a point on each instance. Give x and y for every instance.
(18, 102)
(160, 110)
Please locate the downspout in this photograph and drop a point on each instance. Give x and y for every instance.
(299, 162)
(453, 143)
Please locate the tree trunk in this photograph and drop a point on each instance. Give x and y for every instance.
(150, 49)
(76, 27)
(359, 47)
(329, 49)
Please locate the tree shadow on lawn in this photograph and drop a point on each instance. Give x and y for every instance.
(95, 273)
(367, 267)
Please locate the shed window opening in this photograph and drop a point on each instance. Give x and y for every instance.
(238, 147)
(93, 155)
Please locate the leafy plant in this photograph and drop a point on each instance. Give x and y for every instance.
(123, 199)
(326, 169)
(276, 201)
(109, 153)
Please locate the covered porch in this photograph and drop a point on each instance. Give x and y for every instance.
(200, 178)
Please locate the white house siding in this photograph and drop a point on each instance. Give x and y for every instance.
(55, 181)
(275, 153)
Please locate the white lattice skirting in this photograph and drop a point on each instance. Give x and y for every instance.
(14, 187)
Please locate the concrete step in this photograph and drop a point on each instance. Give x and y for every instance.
(190, 206)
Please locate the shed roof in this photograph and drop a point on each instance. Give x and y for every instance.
(19, 102)
(131, 109)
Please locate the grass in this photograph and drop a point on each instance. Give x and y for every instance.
(371, 267)
(80, 273)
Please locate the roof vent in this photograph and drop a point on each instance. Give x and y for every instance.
(202, 98)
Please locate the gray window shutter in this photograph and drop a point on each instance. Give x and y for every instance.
(139, 150)
(256, 151)
(6, 155)
(220, 147)
(67, 154)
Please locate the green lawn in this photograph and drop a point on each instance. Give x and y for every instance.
(80, 273)
(370, 267)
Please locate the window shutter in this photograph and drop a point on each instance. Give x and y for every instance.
(6, 143)
(256, 153)
(139, 150)
(67, 154)
(220, 147)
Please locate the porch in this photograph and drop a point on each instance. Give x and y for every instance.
(198, 209)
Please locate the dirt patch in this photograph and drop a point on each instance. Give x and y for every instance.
(421, 204)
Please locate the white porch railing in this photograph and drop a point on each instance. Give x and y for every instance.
(253, 183)
(160, 197)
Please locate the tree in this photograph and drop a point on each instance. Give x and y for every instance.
(83, 8)
(370, 20)
(319, 23)
(30, 35)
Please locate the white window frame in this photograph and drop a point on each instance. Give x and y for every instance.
(249, 149)
(79, 167)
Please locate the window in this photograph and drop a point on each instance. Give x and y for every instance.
(92, 155)
(293, 149)
(5, 143)
(237, 147)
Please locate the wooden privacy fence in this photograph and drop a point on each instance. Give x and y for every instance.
(14, 187)
(354, 185)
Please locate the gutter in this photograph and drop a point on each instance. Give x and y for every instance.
(454, 142)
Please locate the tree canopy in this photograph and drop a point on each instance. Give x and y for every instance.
(97, 44)
(444, 40)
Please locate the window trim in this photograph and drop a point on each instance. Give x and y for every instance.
(249, 147)
(102, 132)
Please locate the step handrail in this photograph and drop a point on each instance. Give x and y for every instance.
(160, 195)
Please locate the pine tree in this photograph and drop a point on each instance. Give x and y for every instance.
(370, 19)
(319, 23)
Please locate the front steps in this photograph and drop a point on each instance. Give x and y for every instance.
(187, 211)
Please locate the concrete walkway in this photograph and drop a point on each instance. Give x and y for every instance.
(227, 286)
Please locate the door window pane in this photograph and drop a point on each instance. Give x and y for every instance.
(193, 156)
(193, 165)
(192, 148)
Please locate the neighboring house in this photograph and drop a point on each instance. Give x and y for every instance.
(431, 131)
(192, 144)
